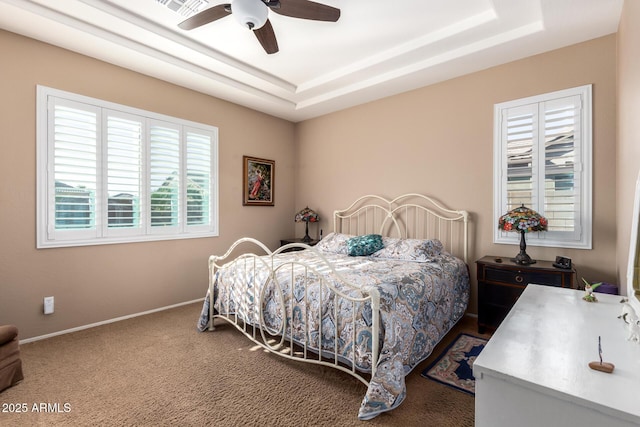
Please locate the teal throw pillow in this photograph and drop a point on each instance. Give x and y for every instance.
(364, 245)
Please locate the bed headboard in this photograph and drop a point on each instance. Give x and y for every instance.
(412, 216)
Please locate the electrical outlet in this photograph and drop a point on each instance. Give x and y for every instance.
(48, 305)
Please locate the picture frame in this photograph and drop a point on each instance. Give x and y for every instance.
(258, 181)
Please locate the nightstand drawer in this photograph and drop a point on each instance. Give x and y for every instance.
(521, 277)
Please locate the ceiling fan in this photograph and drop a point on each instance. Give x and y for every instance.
(253, 14)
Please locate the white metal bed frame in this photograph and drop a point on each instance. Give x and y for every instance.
(407, 216)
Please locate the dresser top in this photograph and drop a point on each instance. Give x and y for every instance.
(547, 341)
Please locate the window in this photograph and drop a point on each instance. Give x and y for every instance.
(108, 173)
(542, 159)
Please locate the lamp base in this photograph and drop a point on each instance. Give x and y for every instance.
(306, 238)
(523, 260)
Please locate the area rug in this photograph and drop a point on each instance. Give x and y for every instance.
(454, 367)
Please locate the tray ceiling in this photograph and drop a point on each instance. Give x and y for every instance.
(376, 49)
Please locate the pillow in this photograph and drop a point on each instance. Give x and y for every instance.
(334, 243)
(410, 249)
(364, 245)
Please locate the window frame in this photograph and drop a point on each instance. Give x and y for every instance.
(584, 157)
(101, 233)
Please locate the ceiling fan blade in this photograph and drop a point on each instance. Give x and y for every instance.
(306, 9)
(208, 15)
(267, 38)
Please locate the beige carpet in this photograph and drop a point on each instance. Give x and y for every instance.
(157, 370)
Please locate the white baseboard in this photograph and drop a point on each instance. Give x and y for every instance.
(105, 322)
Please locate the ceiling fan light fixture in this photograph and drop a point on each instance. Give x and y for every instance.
(250, 13)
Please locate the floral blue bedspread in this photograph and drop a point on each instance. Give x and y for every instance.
(420, 301)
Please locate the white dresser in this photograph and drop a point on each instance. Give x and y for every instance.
(535, 369)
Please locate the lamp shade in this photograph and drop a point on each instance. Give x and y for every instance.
(523, 220)
(307, 215)
(250, 13)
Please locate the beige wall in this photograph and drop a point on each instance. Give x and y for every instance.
(439, 140)
(628, 155)
(92, 284)
(413, 142)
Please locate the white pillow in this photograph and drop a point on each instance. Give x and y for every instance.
(334, 243)
(421, 250)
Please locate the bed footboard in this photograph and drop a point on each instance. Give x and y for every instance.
(297, 310)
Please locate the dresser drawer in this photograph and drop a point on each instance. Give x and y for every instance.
(522, 277)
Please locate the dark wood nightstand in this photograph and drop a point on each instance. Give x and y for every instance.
(500, 284)
(287, 241)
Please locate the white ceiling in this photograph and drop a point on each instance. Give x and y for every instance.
(376, 49)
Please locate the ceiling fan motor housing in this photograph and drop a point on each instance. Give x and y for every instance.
(250, 13)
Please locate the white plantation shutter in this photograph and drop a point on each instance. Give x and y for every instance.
(543, 160)
(111, 174)
(125, 135)
(198, 160)
(562, 180)
(164, 169)
(75, 128)
(521, 154)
